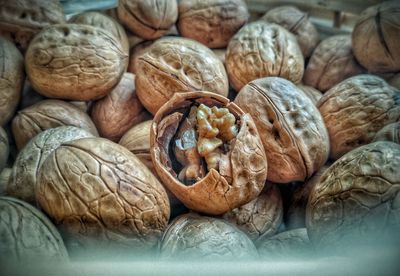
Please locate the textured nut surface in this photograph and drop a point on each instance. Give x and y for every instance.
(296, 22)
(357, 196)
(311, 92)
(26, 234)
(357, 108)
(262, 49)
(23, 178)
(376, 38)
(97, 19)
(261, 216)
(75, 62)
(242, 169)
(331, 62)
(292, 130)
(172, 65)
(211, 22)
(390, 132)
(11, 79)
(48, 114)
(137, 141)
(98, 191)
(4, 178)
(4, 148)
(136, 52)
(192, 236)
(149, 19)
(22, 19)
(121, 109)
(294, 243)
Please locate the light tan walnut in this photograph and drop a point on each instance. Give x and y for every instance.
(311, 92)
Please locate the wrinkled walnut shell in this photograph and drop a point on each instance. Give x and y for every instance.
(197, 237)
(27, 234)
(376, 38)
(23, 178)
(171, 65)
(99, 193)
(4, 178)
(296, 22)
(211, 22)
(216, 193)
(12, 78)
(356, 198)
(4, 149)
(262, 49)
(292, 130)
(356, 109)
(331, 62)
(48, 114)
(390, 133)
(75, 62)
(311, 92)
(22, 19)
(261, 216)
(117, 112)
(149, 19)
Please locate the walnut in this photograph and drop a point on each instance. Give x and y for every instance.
(296, 22)
(355, 109)
(240, 170)
(375, 38)
(262, 49)
(48, 114)
(172, 65)
(260, 217)
(331, 62)
(292, 130)
(22, 19)
(211, 22)
(390, 132)
(29, 96)
(101, 195)
(4, 178)
(75, 62)
(27, 234)
(136, 52)
(357, 198)
(23, 178)
(11, 79)
(4, 149)
(148, 19)
(117, 112)
(97, 19)
(290, 244)
(197, 237)
(311, 92)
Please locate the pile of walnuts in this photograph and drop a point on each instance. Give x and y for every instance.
(180, 130)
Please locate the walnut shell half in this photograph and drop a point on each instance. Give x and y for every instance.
(242, 168)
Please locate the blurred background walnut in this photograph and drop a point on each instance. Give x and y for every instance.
(4, 149)
(390, 133)
(211, 22)
(311, 92)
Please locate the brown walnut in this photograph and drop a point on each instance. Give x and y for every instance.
(117, 112)
(311, 92)
(236, 169)
(100, 194)
(26, 234)
(211, 22)
(390, 132)
(296, 22)
(75, 62)
(261, 216)
(4, 148)
(172, 65)
(357, 198)
(262, 49)
(21, 20)
(48, 114)
(11, 79)
(331, 62)
(292, 130)
(149, 19)
(22, 181)
(376, 38)
(356, 109)
(192, 236)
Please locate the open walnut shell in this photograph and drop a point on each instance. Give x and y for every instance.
(242, 168)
